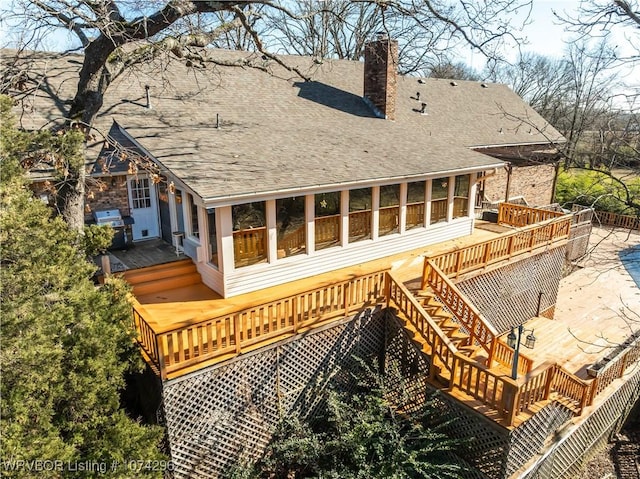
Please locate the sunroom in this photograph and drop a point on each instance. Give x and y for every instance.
(245, 244)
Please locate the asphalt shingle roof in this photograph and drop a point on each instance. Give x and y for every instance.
(277, 132)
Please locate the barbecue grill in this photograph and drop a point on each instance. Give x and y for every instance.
(119, 223)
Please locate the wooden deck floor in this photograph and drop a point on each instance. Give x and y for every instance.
(596, 309)
(146, 253)
(175, 308)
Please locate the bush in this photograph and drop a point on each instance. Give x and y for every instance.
(595, 189)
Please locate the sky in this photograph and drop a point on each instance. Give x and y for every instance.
(546, 35)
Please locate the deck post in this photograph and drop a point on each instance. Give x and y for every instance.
(547, 386)
(347, 299)
(512, 397)
(454, 370)
(425, 273)
(236, 328)
(492, 351)
(160, 351)
(294, 312)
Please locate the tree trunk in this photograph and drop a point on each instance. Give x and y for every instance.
(94, 80)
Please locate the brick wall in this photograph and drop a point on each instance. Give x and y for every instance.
(380, 77)
(110, 193)
(534, 183)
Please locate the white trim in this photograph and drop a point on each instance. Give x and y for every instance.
(212, 202)
(402, 219)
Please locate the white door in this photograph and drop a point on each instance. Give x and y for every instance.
(144, 207)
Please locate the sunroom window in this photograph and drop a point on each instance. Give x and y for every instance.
(327, 219)
(439, 199)
(249, 234)
(213, 237)
(415, 204)
(359, 214)
(461, 197)
(389, 213)
(291, 226)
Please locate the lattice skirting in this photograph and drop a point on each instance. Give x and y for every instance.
(578, 241)
(484, 445)
(216, 415)
(575, 447)
(517, 285)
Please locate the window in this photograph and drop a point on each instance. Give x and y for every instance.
(291, 226)
(359, 214)
(439, 199)
(193, 215)
(140, 193)
(249, 234)
(415, 204)
(327, 219)
(389, 213)
(213, 238)
(461, 197)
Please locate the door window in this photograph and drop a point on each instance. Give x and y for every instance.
(140, 193)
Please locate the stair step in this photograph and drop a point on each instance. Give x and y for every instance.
(164, 284)
(159, 271)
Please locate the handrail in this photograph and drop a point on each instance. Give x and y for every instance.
(204, 339)
(503, 355)
(480, 255)
(518, 215)
(441, 346)
(250, 243)
(479, 330)
(608, 218)
(489, 387)
(572, 387)
(616, 367)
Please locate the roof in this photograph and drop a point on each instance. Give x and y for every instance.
(277, 132)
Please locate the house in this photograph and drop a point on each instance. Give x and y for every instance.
(267, 178)
(331, 217)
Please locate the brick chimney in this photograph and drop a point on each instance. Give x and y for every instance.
(380, 76)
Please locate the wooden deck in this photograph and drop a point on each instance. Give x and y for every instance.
(169, 309)
(184, 326)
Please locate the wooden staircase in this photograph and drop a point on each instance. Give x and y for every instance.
(161, 277)
(446, 322)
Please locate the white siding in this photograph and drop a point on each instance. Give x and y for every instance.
(211, 277)
(252, 278)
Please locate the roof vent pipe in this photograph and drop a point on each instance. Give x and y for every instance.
(146, 87)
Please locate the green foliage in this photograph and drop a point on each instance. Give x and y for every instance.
(65, 346)
(96, 239)
(591, 188)
(361, 435)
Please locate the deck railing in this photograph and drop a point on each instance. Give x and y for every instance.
(327, 229)
(202, 339)
(389, 220)
(360, 224)
(442, 349)
(481, 255)
(607, 218)
(439, 210)
(518, 215)
(616, 367)
(294, 240)
(503, 355)
(479, 330)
